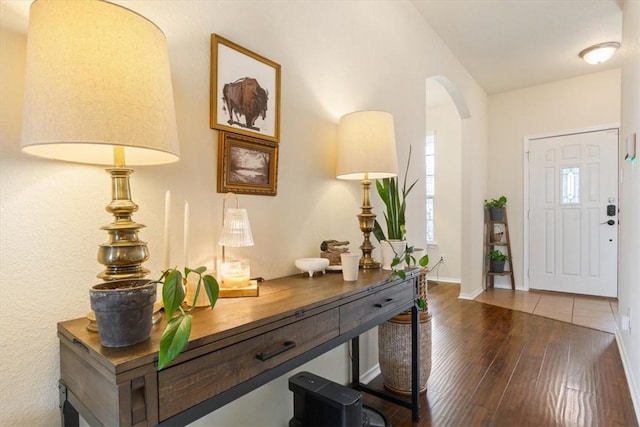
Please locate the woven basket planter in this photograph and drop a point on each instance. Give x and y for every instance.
(394, 348)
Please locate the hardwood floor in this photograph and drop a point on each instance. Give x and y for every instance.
(493, 366)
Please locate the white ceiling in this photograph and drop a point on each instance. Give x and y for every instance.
(511, 44)
(504, 44)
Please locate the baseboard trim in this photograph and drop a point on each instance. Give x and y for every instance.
(633, 387)
(443, 279)
(454, 281)
(472, 295)
(508, 287)
(368, 376)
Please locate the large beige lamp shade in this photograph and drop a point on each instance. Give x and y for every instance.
(366, 146)
(98, 90)
(366, 150)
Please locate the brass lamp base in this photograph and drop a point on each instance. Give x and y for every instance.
(124, 253)
(366, 220)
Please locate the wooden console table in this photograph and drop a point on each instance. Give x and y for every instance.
(240, 345)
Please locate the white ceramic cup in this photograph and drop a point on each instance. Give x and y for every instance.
(350, 266)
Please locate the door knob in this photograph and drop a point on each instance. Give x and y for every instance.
(610, 222)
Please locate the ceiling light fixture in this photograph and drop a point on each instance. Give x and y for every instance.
(599, 53)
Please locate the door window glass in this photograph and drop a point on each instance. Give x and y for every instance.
(570, 185)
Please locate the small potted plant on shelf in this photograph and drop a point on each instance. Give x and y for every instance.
(495, 207)
(497, 260)
(393, 243)
(176, 334)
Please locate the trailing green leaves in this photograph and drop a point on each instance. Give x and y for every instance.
(172, 292)
(408, 257)
(174, 339)
(212, 289)
(175, 336)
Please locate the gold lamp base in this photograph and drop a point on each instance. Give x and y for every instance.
(366, 220)
(124, 253)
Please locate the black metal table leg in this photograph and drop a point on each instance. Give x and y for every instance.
(355, 361)
(415, 364)
(69, 416)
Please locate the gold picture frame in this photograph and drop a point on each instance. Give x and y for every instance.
(245, 91)
(247, 165)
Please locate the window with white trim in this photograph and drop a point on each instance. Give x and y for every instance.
(430, 179)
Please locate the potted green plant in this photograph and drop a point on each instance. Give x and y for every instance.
(176, 334)
(394, 335)
(497, 260)
(495, 207)
(394, 199)
(407, 258)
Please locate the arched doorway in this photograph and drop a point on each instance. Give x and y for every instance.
(445, 111)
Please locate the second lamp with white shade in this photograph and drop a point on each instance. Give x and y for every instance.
(366, 151)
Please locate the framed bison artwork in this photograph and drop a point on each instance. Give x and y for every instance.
(245, 91)
(247, 165)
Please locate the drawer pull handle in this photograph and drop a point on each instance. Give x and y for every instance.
(84, 347)
(268, 355)
(386, 302)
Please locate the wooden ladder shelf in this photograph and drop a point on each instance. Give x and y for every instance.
(497, 238)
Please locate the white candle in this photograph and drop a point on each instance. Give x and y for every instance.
(167, 246)
(186, 234)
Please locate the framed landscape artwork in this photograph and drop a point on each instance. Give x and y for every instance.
(247, 165)
(245, 91)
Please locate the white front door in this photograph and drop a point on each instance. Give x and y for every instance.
(573, 236)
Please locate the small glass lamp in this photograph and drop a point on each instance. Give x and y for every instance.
(366, 151)
(235, 275)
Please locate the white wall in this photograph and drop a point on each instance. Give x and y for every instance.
(336, 58)
(443, 119)
(629, 265)
(576, 103)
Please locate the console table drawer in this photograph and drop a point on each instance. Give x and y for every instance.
(185, 385)
(380, 303)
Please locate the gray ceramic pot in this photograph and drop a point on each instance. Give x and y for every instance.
(124, 310)
(496, 266)
(495, 214)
